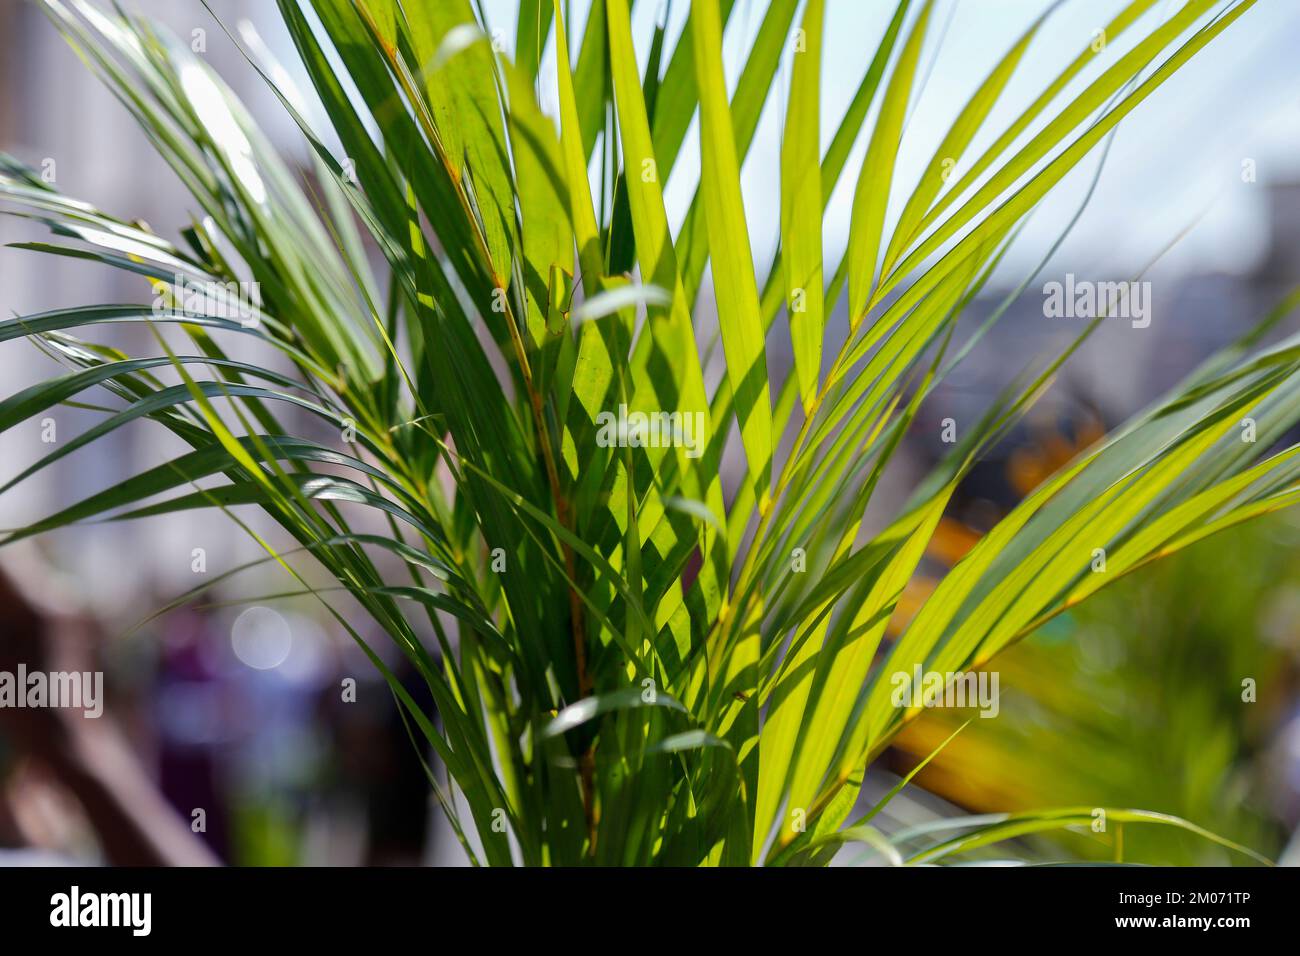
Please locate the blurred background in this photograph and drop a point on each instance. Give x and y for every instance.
(231, 702)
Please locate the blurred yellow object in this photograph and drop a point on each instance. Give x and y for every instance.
(1030, 465)
(952, 540)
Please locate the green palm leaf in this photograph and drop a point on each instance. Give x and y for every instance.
(638, 663)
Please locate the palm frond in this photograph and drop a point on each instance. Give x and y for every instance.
(633, 665)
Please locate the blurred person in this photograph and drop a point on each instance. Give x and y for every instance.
(382, 767)
(86, 756)
(192, 708)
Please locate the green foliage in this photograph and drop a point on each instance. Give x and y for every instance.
(1164, 692)
(627, 664)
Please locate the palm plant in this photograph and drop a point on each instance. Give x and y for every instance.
(629, 665)
(1161, 723)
